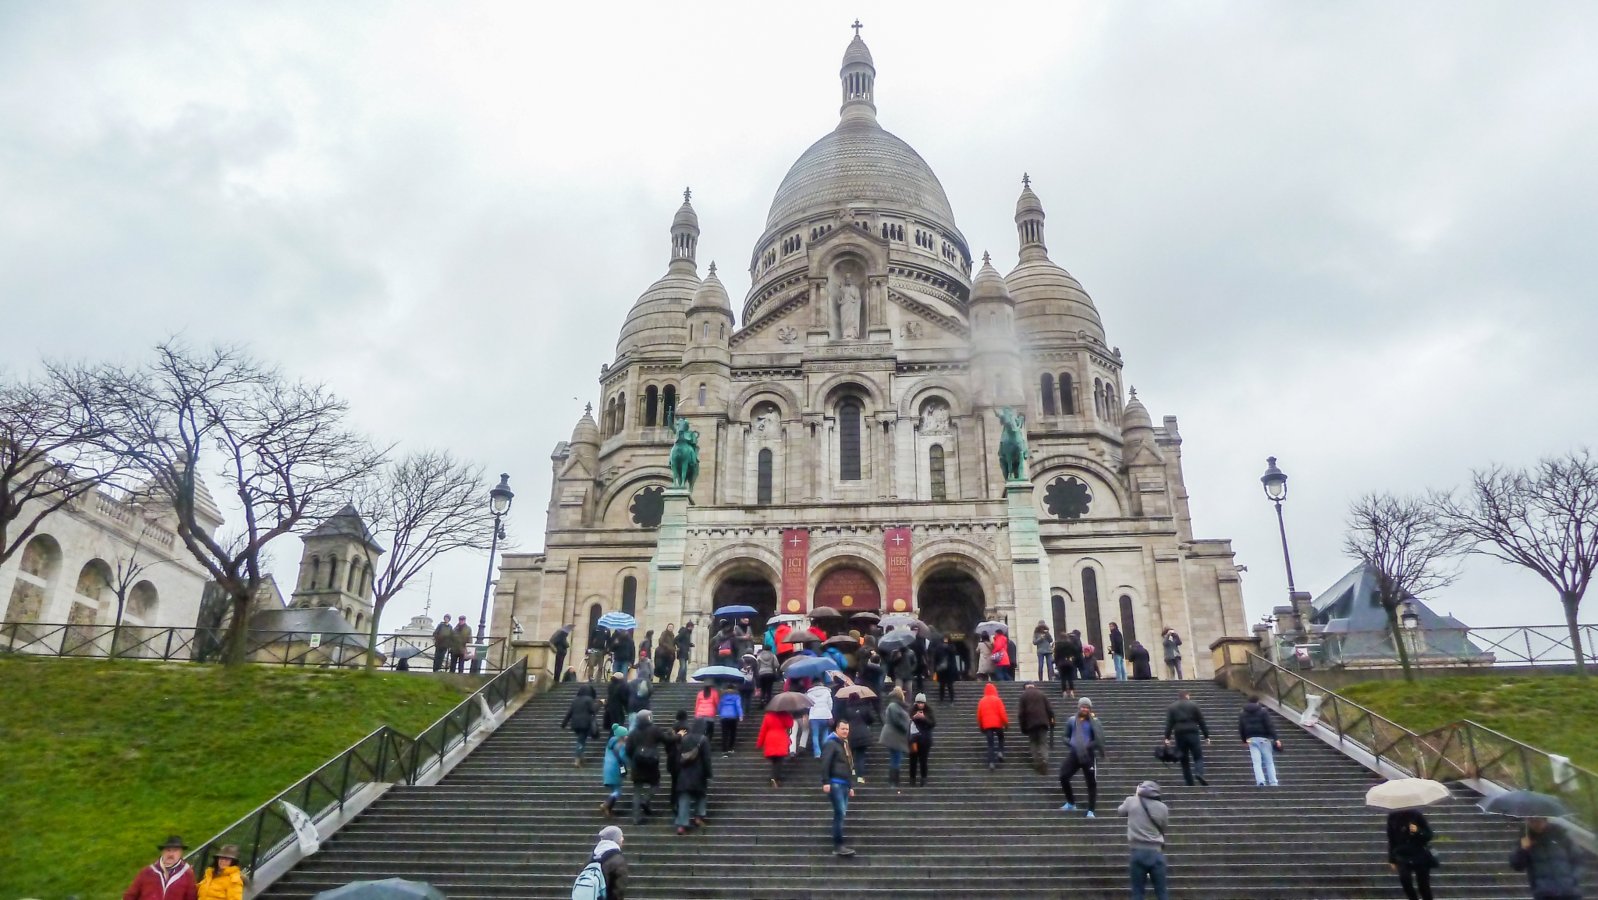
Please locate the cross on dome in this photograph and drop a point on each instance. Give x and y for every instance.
(857, 26)
(687, 194)
(1026, 180)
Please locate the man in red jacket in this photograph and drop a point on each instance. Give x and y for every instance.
(168, 878)
(993, 718)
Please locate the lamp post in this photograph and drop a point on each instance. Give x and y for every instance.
(1275, 483)
(499, 500)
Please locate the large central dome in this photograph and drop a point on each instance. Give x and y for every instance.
(859, 163)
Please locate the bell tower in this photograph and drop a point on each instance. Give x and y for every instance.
(337, 567)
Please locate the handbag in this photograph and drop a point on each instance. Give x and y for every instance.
(1167, 753)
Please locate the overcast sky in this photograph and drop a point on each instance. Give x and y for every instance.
(1357, 236)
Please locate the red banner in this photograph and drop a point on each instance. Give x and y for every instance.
(849, 590)
(896, 546)
(795, 569)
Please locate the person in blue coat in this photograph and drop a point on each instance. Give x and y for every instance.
(1551, 861)
(615, 766)
(731, 712)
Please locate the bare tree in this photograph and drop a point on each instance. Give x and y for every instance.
(281, 447)
(424, 505)
(1545, 519)
(1408, 549)
(51, 449)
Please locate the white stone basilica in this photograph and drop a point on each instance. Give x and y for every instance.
(848, 432)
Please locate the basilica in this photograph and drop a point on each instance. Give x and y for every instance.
(849, 420)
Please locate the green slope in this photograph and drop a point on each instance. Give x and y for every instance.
(101, 760)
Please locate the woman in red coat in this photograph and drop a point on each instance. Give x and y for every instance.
(993, 719)
(1003, 658)
(773, 741)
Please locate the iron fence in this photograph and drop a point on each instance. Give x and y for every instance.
(1519, 645)
(385, 756)
(279, 648)
(1456, 751)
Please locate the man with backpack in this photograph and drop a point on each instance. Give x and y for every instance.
(605, 875)
(1147, 818)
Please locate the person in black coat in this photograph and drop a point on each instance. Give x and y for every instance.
(615, 703)
(1138, 656)
(862, 717)
(623, 652)
(922, 721)
(947, 661)
(685, 651)
(1067, 660)
(1408, 833)
(1551, 861)
(561, 642)
(1184, 723)
(647, 743)
(692, 778)
(580, 719)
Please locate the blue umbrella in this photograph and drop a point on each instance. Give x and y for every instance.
(809, 667)
(893, 640)
(712, 673)
(739, 610)
(617, 621)
(386, 889)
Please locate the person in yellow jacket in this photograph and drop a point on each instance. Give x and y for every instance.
(223, 881)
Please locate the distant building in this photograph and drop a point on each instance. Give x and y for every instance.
(1348, 627)
(105, 543)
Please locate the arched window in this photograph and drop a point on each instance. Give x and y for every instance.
(353, 577)
(668, 405)
(609, 421)
(763, 478)
(702, 393)
(316, 570)
(1067, 396)
(940, 490)
(1128, 624)
(332, 573)
(704, 330)
(1090, 610)
(594, 612)
(621, 411)
(1057, 607)
(1046, 385)
(358, 617)
(651, 399)
(1098, 397)
(849, 440)
(629, 596)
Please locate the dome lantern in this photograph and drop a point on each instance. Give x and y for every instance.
(685, 233)
(1029, 222)
(858, 78)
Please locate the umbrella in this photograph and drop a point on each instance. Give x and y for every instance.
(387, 889)
(711, 673)
(406, 651)
(737, 610)
(617, 621)
(991, 627)
(788, 701)
(899, 620)
(856, 690)
(1526, 805)
(825, 612)
(848, 642)
(808, 667)
(803, 637)
(785, 617)
(1406, 793)
(896, 639)
(865, 616)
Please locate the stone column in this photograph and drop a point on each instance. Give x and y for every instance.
(666, 566)
(1029, 565)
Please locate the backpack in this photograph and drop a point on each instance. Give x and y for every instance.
(590, 883)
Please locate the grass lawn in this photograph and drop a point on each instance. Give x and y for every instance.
(1556, 713)
(101, 760)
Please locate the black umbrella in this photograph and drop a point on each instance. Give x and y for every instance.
(788, 701)
(1526, 805)
(865, 616)
(825, 612)
(893, 640)
(846, 641)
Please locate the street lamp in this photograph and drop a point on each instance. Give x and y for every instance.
(499, 500)
(1275, 482)
(1410, 617)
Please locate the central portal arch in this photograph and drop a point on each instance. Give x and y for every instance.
(748, 588)
(950, 600)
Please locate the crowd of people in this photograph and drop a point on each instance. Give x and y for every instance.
(170, 877)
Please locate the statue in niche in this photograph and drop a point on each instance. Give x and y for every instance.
(935, 418)
(765, 422)
(849, 309)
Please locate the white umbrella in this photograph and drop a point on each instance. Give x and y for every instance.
(786, 617)
(1406, 793)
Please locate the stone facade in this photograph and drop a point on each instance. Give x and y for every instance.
(69, 571)
(855, 410)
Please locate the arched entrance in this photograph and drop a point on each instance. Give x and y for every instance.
(748, 589)
(951, 601)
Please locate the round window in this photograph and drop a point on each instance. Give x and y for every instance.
(647, 506)
(1067, 497)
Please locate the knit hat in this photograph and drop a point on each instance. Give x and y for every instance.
(611, 833)
(921, 698)
(1084, 703)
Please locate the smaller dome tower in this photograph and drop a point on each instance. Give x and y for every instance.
(709, 322)
(995, 356)
(585, 440)
(1050, 306)
(655, 325)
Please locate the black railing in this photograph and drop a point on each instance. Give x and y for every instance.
(385, 756)
(1458, 750)
(345, 650)
(1518, 645)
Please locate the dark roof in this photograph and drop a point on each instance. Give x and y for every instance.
(1350, 614)
(293, 624)
(347, 523)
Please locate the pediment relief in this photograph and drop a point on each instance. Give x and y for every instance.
(932, 312)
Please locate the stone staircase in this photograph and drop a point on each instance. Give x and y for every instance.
(516, 819)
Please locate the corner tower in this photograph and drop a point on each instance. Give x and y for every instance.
(337, 567)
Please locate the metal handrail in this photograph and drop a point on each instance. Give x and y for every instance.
(1517, 645)
(1460, 750)
(174, 644)
(383, 756)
